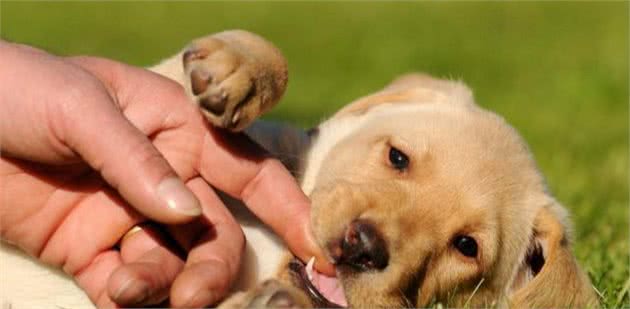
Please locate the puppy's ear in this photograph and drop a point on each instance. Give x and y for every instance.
(414, 88)
(422, 87)
(549, 276)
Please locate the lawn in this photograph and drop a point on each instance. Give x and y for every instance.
(558, 71)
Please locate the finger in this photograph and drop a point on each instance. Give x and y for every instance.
(291, 222)
(89, 238)
(201, 284)
(147, 277)
(93, 278)
(214, 260)
(80, 233)
(127, 159)
(140, 239)
(266, 187)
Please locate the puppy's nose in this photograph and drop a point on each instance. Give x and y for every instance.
(362, 247)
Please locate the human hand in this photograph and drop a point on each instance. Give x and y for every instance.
(92, 147)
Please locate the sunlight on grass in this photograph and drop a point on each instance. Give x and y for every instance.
(557, 71)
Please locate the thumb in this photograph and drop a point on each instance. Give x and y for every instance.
(97, 130)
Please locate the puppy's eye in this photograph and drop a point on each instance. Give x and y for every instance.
(466, 245)
(398, 159)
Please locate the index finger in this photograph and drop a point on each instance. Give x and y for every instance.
(240, 168)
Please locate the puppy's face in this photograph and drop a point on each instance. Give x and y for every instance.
(419, 196)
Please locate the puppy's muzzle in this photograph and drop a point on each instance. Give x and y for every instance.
(362, 247)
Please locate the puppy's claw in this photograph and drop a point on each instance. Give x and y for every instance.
(199, 81)
(214, 103)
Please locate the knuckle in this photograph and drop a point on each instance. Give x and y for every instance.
(140, 158)
(267, 167)
(143, 155)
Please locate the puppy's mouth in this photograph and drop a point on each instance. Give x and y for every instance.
(324, 291)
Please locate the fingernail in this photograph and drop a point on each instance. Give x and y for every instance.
(133, 291)
(178, 197)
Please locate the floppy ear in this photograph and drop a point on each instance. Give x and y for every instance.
(549, 276)
(413, 88)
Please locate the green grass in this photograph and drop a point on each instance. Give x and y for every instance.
(557, 71)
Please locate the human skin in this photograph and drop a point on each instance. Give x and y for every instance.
(92, 147)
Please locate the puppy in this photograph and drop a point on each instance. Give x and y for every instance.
(419, 197)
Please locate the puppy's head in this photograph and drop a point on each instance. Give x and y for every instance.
(420, 196)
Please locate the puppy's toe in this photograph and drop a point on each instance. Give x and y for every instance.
(213, 83)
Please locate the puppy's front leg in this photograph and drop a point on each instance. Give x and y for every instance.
(234, 76)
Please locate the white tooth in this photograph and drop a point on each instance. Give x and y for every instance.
(309, 268)
(236, 115)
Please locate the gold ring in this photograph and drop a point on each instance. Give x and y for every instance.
(133, 230)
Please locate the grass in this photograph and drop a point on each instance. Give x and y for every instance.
(558, 71)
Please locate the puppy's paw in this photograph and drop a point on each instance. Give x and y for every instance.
(269, 294)
(235, 76)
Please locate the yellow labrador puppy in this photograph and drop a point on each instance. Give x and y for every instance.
(419, 197)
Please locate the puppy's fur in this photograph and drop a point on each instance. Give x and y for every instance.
(469, 174)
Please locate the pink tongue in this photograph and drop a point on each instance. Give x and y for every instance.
(330, 288)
